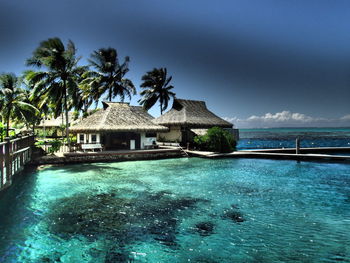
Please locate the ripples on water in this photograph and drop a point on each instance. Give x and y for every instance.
(179, 210)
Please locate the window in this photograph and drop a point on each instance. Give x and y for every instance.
(93, 138)
(82, 138)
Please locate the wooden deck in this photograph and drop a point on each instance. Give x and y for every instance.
(307, 154)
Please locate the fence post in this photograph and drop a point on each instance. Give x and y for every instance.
(1, 166)
(21, 156)
(297, 146)
(8, 161)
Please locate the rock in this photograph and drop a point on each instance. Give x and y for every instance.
(204, 228)
(121, 220)
(234, 215)
(113, 257)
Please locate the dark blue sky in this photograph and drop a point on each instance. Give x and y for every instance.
(243, 57)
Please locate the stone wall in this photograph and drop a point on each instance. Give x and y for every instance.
(108, 157)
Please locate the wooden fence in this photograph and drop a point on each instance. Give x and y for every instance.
(14, 154)
(63, 149)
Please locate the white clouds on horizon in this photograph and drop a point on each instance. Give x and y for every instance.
(346, 117)
(287, 119)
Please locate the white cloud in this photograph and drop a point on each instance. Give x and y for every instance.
(346, 117)
(287, 119)
(283, 116)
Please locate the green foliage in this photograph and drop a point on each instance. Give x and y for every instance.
(55, 146)
(12, 134)
(156, 87)
(13, 101)
(216, 140)
(2, 131)
(40, 143)
(57, 84)
(75, 115)
(49, 132)
(72, 138)
(109, 76)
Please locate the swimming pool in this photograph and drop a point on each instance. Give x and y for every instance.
(179, 210)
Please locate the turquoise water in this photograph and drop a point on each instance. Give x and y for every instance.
(179, 210)
(285, 137)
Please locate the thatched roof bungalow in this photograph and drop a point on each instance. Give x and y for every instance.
(188, 118)
(118, 126)
(56, 122)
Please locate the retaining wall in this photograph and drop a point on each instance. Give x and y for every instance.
(109, 157)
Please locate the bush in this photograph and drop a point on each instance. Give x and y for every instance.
(72, 139)
(2, 131)
(216, 140)
(55, 146)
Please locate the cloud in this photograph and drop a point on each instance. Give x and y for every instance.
(346, 117)
(284, 116)
(287, 119)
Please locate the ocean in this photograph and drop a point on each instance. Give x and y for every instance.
(285, 138)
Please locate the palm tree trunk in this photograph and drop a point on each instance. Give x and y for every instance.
(66, 111)
(161, 104)
(8, 119)
(44, 128)
(110, 95)
(7, 126)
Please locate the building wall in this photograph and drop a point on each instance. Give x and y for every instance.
(173, 135)
(145, 140)
(121, 140)
(88, 138)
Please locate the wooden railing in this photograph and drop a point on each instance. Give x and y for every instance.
(14, 154)
(63, 149)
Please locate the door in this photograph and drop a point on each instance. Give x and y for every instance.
(132, 144)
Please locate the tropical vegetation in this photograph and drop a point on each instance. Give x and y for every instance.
(58, 83)
(13, 105)
(216, 140)
(109, 76)
(156, 87)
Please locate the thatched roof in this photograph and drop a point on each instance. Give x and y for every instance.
(192, 114)
(118, 117)
(56, 122)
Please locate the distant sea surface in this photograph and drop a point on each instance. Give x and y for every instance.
(285, 138)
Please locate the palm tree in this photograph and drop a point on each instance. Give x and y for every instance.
(156, 87)
(109, 75)
(43, 111)
(13, 105)
(85, 95)
(59, 82)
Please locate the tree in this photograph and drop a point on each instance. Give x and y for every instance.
(13, 105)
(216, 140)
(109, 75)
(156, 88)
(58, 83)
(42, 112)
